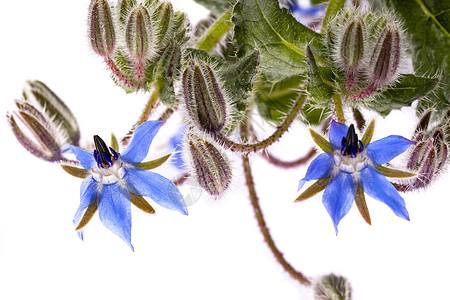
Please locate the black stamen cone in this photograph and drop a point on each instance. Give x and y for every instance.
(352, 143)
(102, 150)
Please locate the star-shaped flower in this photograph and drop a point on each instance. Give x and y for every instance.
(349, 167)
(117, 180)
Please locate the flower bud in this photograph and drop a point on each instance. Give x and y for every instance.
(352, 50)
(101, 28)
(204, 99)
(212, 168)
(49, 122)
(332, 287)
(164, 22)
(139, 39)
(385, 59)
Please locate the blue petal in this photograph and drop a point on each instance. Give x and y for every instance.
(88, 194)
(337, 132)
(384, 150)
(320, 167)
(157, 187)
(140, 142)
(339, 195)
(114, 207)
(85, 158)
(176, 142)
(377, 186)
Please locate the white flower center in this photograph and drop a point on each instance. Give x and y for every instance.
(109, 175)
(350, 164)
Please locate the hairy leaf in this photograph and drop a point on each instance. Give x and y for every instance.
(154, 163)
(74, 171)
(408, 89)
(217, 7)
(320, 86)
(320, 141)
(280, 39)
(315, 188)
(360, 201)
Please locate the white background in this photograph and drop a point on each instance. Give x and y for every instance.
(217, 252)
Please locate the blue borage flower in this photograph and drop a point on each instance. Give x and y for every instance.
(116, 178)
(350, 167)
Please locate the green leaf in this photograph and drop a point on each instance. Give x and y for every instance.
(141, 203)
(408, 89)
(319, 87)
(427, 24)
(90, 211)
(275, 98)
(238, 78)
(368, 133)
(280, 39)
(360, 201)
(218, 7)
(315, 188)
(154, 163)
(74, 171)
(320, 141)
(388, 172)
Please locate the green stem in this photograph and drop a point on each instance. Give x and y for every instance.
(213, 35)
(263, 226)
(282, 128)
(338, 108)
(151, 104)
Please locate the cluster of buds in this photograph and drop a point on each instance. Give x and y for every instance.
(139, 40)
(50, 125)
(430, 154)
(205, 99)
(366, 49)
(210, 164)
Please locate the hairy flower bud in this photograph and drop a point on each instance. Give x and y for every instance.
(211, 165)
(163, 26)
(430, 154)
(385, 59)
(101, 28)
(50, 123)
(139, 39)
(204, 99)
(352, 50)
(331, 287)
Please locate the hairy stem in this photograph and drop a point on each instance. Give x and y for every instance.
(338, 108)
(282, 128)
(263, 226)
(151, 104)
(288, 164)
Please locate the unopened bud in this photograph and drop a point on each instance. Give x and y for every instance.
(163, 21)
(211, 165)
(332, 287)
(385, 59)
(139, 39)
(352, 50)
(101, 28)
(49, 122)
(204, 99)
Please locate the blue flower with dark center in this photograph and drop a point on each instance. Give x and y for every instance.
(349, 168)
(117, 178)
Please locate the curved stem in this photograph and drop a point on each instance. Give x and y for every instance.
(151, 104)
(288, 164)
(282, 128)
(338, 108)
(263, 226)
